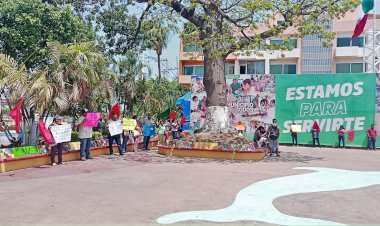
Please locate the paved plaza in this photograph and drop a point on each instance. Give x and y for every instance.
(144, 187)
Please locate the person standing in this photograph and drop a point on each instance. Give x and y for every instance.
(372, 135)
(124, 146)
(146, 122)
(161, 133)
(315, 134)
(56, 147)
(341, 133)
(274, 134)
(85, 135)
(294, 136)
(115, 137)
(174, 130)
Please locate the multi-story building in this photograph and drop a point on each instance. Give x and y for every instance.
(308, 55)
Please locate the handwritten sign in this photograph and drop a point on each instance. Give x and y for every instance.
(296, 128)
(115, 128)
(92, 119)
(129, 124)
(61, 133)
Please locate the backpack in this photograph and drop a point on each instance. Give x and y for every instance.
(273, 133)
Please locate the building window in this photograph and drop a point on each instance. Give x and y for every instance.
(350, 68)
(243, 69)
(193, 70)
(229, 68)
(252, 67)
(283, 69)
(346, 42)
(280, 22)
(289, 43)
(192, 48)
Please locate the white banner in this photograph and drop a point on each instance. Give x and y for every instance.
(115, 128)
(61, 133)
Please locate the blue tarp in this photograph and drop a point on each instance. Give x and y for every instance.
(184, 103)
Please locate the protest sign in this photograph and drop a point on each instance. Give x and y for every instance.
(129, 124)
(61, 133)
(296, 128)
(115, 128)
(92, 119)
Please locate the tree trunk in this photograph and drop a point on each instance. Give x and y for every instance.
(159, 67)
(215, 85)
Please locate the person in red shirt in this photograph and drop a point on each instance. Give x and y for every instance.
(372, 135)
(341, 133)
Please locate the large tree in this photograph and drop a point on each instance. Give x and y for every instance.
(222, 27)
(26, 26)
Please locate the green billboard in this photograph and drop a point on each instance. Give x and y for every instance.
(331, 100)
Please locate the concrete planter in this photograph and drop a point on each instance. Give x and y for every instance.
(44, 159)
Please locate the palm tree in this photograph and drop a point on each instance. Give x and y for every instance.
(157, 37)
(78, 75)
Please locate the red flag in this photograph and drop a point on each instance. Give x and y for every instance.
(172, 115)
(15, 114)
(115, 110)
(351, 135)
(360, 25)
(183, 120)
(316, 126)
(45, 133)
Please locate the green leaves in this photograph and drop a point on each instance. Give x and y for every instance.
(26, 26)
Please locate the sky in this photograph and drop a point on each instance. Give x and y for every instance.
(171, 53)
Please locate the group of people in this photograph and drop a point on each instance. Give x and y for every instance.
(268, 138)
(121, 140)
(371, 134)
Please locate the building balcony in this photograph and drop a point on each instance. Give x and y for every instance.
(184, 79)
(272, 55)
(349, 51)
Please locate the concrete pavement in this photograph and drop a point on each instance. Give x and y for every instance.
(141, 187)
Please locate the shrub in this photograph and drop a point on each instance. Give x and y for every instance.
(97, 136)
(74, 137)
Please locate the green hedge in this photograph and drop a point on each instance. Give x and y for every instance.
(74, 137)
(95, 136)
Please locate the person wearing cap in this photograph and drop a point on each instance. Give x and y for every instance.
(85, 135)
(56, 147)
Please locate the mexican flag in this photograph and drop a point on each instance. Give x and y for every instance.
(367, 5)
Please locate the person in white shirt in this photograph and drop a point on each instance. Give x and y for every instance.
(198, 86)
(85, 135)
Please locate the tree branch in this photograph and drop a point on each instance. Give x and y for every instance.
(182, 10)
(140, 22)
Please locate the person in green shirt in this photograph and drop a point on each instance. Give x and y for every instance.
(235, 86)
(161, 133)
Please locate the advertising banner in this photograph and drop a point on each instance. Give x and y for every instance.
(61, 133)
(251, 100)
(197, 103)
(378, 106)
(331, 100)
